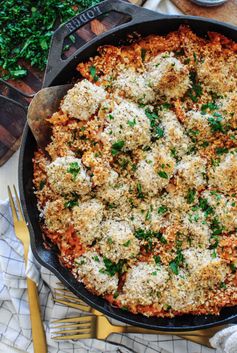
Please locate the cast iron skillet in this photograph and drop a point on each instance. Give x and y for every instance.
(61, 71)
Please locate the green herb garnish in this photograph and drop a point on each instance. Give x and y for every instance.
(112, 268)
(162, 209)
(27, 28)
(210, 105)
(174, 264)
(74, 169)
(215, 123)
(163, 174)
(196, 90)
(132, 122)
(127, 243)
(92, 70)
(221, 150)
(143, 53)
(139, 191)
(157, 259)
(191, 195)
(42, 184)
(117, 147)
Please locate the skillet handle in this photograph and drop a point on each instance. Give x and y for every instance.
(55, 61)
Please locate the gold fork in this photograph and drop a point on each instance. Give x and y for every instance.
(22, 233)
(100, 328)
(67, 298)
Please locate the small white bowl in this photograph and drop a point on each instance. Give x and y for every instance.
(209, 3)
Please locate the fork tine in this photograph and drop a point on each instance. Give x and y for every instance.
(71, 337)
(12, 204)
(73, 305)
(77, 331)
(18, 204)
(67, 294)
(68, 325)
(84, 319)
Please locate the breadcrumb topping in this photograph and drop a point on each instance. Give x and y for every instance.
(139, 187)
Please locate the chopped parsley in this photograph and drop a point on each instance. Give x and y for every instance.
(152, 116)
(221, 150)
(116, 294)
(92, 70)
(196, 90)
(233, 267)
(223, 285)
(214, 240)
(112, 268)
(174, 264)
(74, 169)
(162, 209)
(148, 235)
(42, 184)
(143, 53)
(127, 243)
(210, 105)
(167, 105)
(132, 122)
(96, 258)
(148, 214)
(203, 204)
(159, 132)
(216, 227)
(157, 259)
(117, 147)
(215, 123)
(191, 195)
(195, 58)
(140, 194)
(163, 174)
(71, 203)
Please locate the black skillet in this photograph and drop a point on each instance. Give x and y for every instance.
(61, 71)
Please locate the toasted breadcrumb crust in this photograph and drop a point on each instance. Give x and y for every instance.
(140, 190)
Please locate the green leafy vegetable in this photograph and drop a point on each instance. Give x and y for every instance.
(139, 191)
(221, 150)
(159, 132)
(132, 122)
(196, 90)
(71, 203)
(210, 105)
(162, 209)
(191, 195)
(143, 53)
(26, 30)
(215, 123)
(42, 184)
(93, 73)
(127, 243)
(112, 268)
(163, 174)
(157, 259)
(74, 169)
(117, 147)
(174, 264)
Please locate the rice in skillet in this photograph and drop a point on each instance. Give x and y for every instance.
(140, 191)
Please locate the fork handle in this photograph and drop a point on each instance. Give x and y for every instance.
(39, 340)
(136, 329)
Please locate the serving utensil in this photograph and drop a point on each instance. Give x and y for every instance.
(43, 105)
(99, 327)
(22, 233)
(65, 297)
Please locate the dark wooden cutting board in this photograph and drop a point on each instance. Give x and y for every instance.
(12, 117)
(225, 13)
